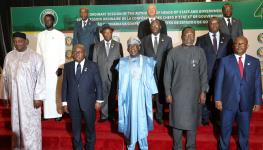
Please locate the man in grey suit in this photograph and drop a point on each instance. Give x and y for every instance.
(86, 32)
(185, 82)
(107, 54)
(157, 45)
(229, 25)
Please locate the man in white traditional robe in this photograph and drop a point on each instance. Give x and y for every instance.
(136, 87)
(23, 81)
(51, 45)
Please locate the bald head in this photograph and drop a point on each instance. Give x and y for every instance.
(151, 11)
(84, 13)
(240, 45)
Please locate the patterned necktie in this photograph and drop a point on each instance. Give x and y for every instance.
(107, 48)
(229, 25)
(214, 42)
(240, 65)
(155, 44)
(78, 72)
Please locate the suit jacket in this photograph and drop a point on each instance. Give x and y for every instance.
(108, 63)
(87, 36)
(236, 92)
(237, 29)
(82, 94)
(165, 44)
(144, 28)
(213, 57)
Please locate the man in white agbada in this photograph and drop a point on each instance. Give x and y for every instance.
(22, 84)
(51, 45)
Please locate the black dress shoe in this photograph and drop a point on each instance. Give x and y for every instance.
(159, 121)
(103, 120)
(58, 119)
(205, 123)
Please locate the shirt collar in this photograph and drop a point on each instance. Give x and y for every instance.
(211, 33)
(81, 63)
(86, 21)
(243, 57)
(228, 18)
(158, 35)
(107, 42)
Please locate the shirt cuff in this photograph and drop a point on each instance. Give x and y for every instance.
(99, 101)
(64, 103)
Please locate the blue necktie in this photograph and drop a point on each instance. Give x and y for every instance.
(78, 72)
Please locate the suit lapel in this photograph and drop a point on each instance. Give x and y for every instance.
(102, 46)
(85, 68)
(235, 66)
(149, 40)
(210, 44)
(161, 43)
(72, 65)
(112, 46)
(246, 66)
(221, 44)
(225, 24)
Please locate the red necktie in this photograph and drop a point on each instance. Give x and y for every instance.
(241, 68)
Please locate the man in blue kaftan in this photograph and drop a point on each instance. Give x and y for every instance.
(136, 87)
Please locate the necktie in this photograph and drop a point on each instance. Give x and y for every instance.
(107, 48)
(155, 45)
(78, 72)
(229, 25)
(214, 42)
(240, 65)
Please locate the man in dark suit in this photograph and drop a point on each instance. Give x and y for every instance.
(215, 45)
(81, 95)
(157, 45)
(86, 32)
(144, 28)
(107, 54)
(229, 25)
(237, 93)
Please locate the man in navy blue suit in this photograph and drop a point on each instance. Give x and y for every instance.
(82, 95)
(215, 45)
(86, 32)
(237, 93)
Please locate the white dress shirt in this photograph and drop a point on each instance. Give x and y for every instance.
(227, 21)
(217, 38)
(242, 59)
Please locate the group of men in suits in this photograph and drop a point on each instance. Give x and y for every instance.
(155, 42)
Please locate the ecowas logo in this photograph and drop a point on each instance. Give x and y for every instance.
(44, 13)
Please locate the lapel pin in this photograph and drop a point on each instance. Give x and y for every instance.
(162, 40)
(85, 69)
(112, 45)
(248, 64)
